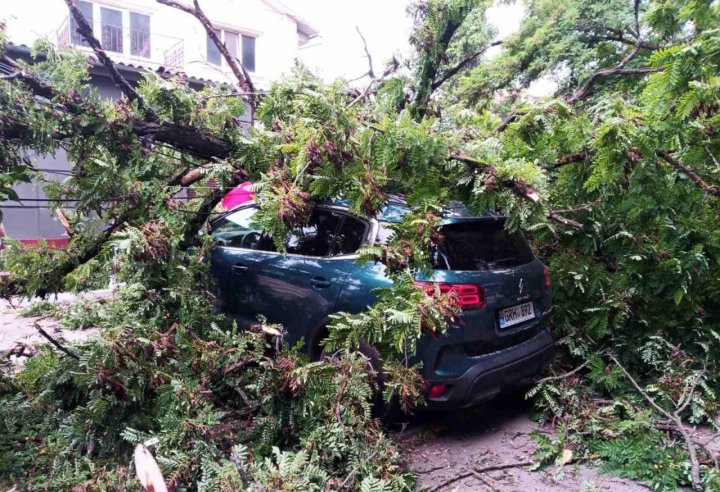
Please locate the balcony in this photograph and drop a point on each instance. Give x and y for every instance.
(138, 47)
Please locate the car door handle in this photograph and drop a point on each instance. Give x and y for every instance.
(239, 268)
(320, 283)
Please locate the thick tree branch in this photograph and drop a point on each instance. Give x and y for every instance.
(192, 176)
(709, 189)
(38, 87)
(236, 67)
(85, 253)
(12, 129)
(581, 156)
(520, 188)
(64, 221)
(636, 11)
(203, 212)
(431, 59)
(618, 69)
(86, 31)
(184, 138)
(635, 71)
(90, 250)
(451, 72)
(620, 38)
(584, 91)
(57, 344)
(675, 418)
(555, 215)
(506, 122)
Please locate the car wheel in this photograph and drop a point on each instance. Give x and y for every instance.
(518, 391)
(388, 412)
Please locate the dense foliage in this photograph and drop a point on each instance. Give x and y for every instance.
(612, 176)
(630, 158)
(218, 404)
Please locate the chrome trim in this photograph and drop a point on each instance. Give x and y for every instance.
(339, 257)
(339, 208)
(232, 211)
(373, 233)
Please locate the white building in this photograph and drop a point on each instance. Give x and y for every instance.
(264, 34)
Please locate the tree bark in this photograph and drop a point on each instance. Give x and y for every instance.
(86, 31)
(430, 60)
(237, 69)
(463, 63)
(708, 189)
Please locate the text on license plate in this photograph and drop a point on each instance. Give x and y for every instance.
(516, 314)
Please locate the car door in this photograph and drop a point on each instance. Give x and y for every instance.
(299, 289)
(237, 241)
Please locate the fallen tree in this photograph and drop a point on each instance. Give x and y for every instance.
(597, 173)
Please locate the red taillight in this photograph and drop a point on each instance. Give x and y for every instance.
(470, 297)
(546, 271)
(436, 390)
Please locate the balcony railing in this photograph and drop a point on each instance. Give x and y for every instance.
(112, 39)
(130, 45)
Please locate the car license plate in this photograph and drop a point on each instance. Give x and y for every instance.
(516, 314)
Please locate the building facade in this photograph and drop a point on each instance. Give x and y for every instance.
(142, 36)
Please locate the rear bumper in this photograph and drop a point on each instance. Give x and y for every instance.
(494, 372)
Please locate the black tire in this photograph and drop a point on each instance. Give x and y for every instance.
(517, 392)
(388, 412)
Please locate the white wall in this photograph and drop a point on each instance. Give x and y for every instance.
(276, 43)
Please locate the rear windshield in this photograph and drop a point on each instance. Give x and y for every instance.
(480, 245)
